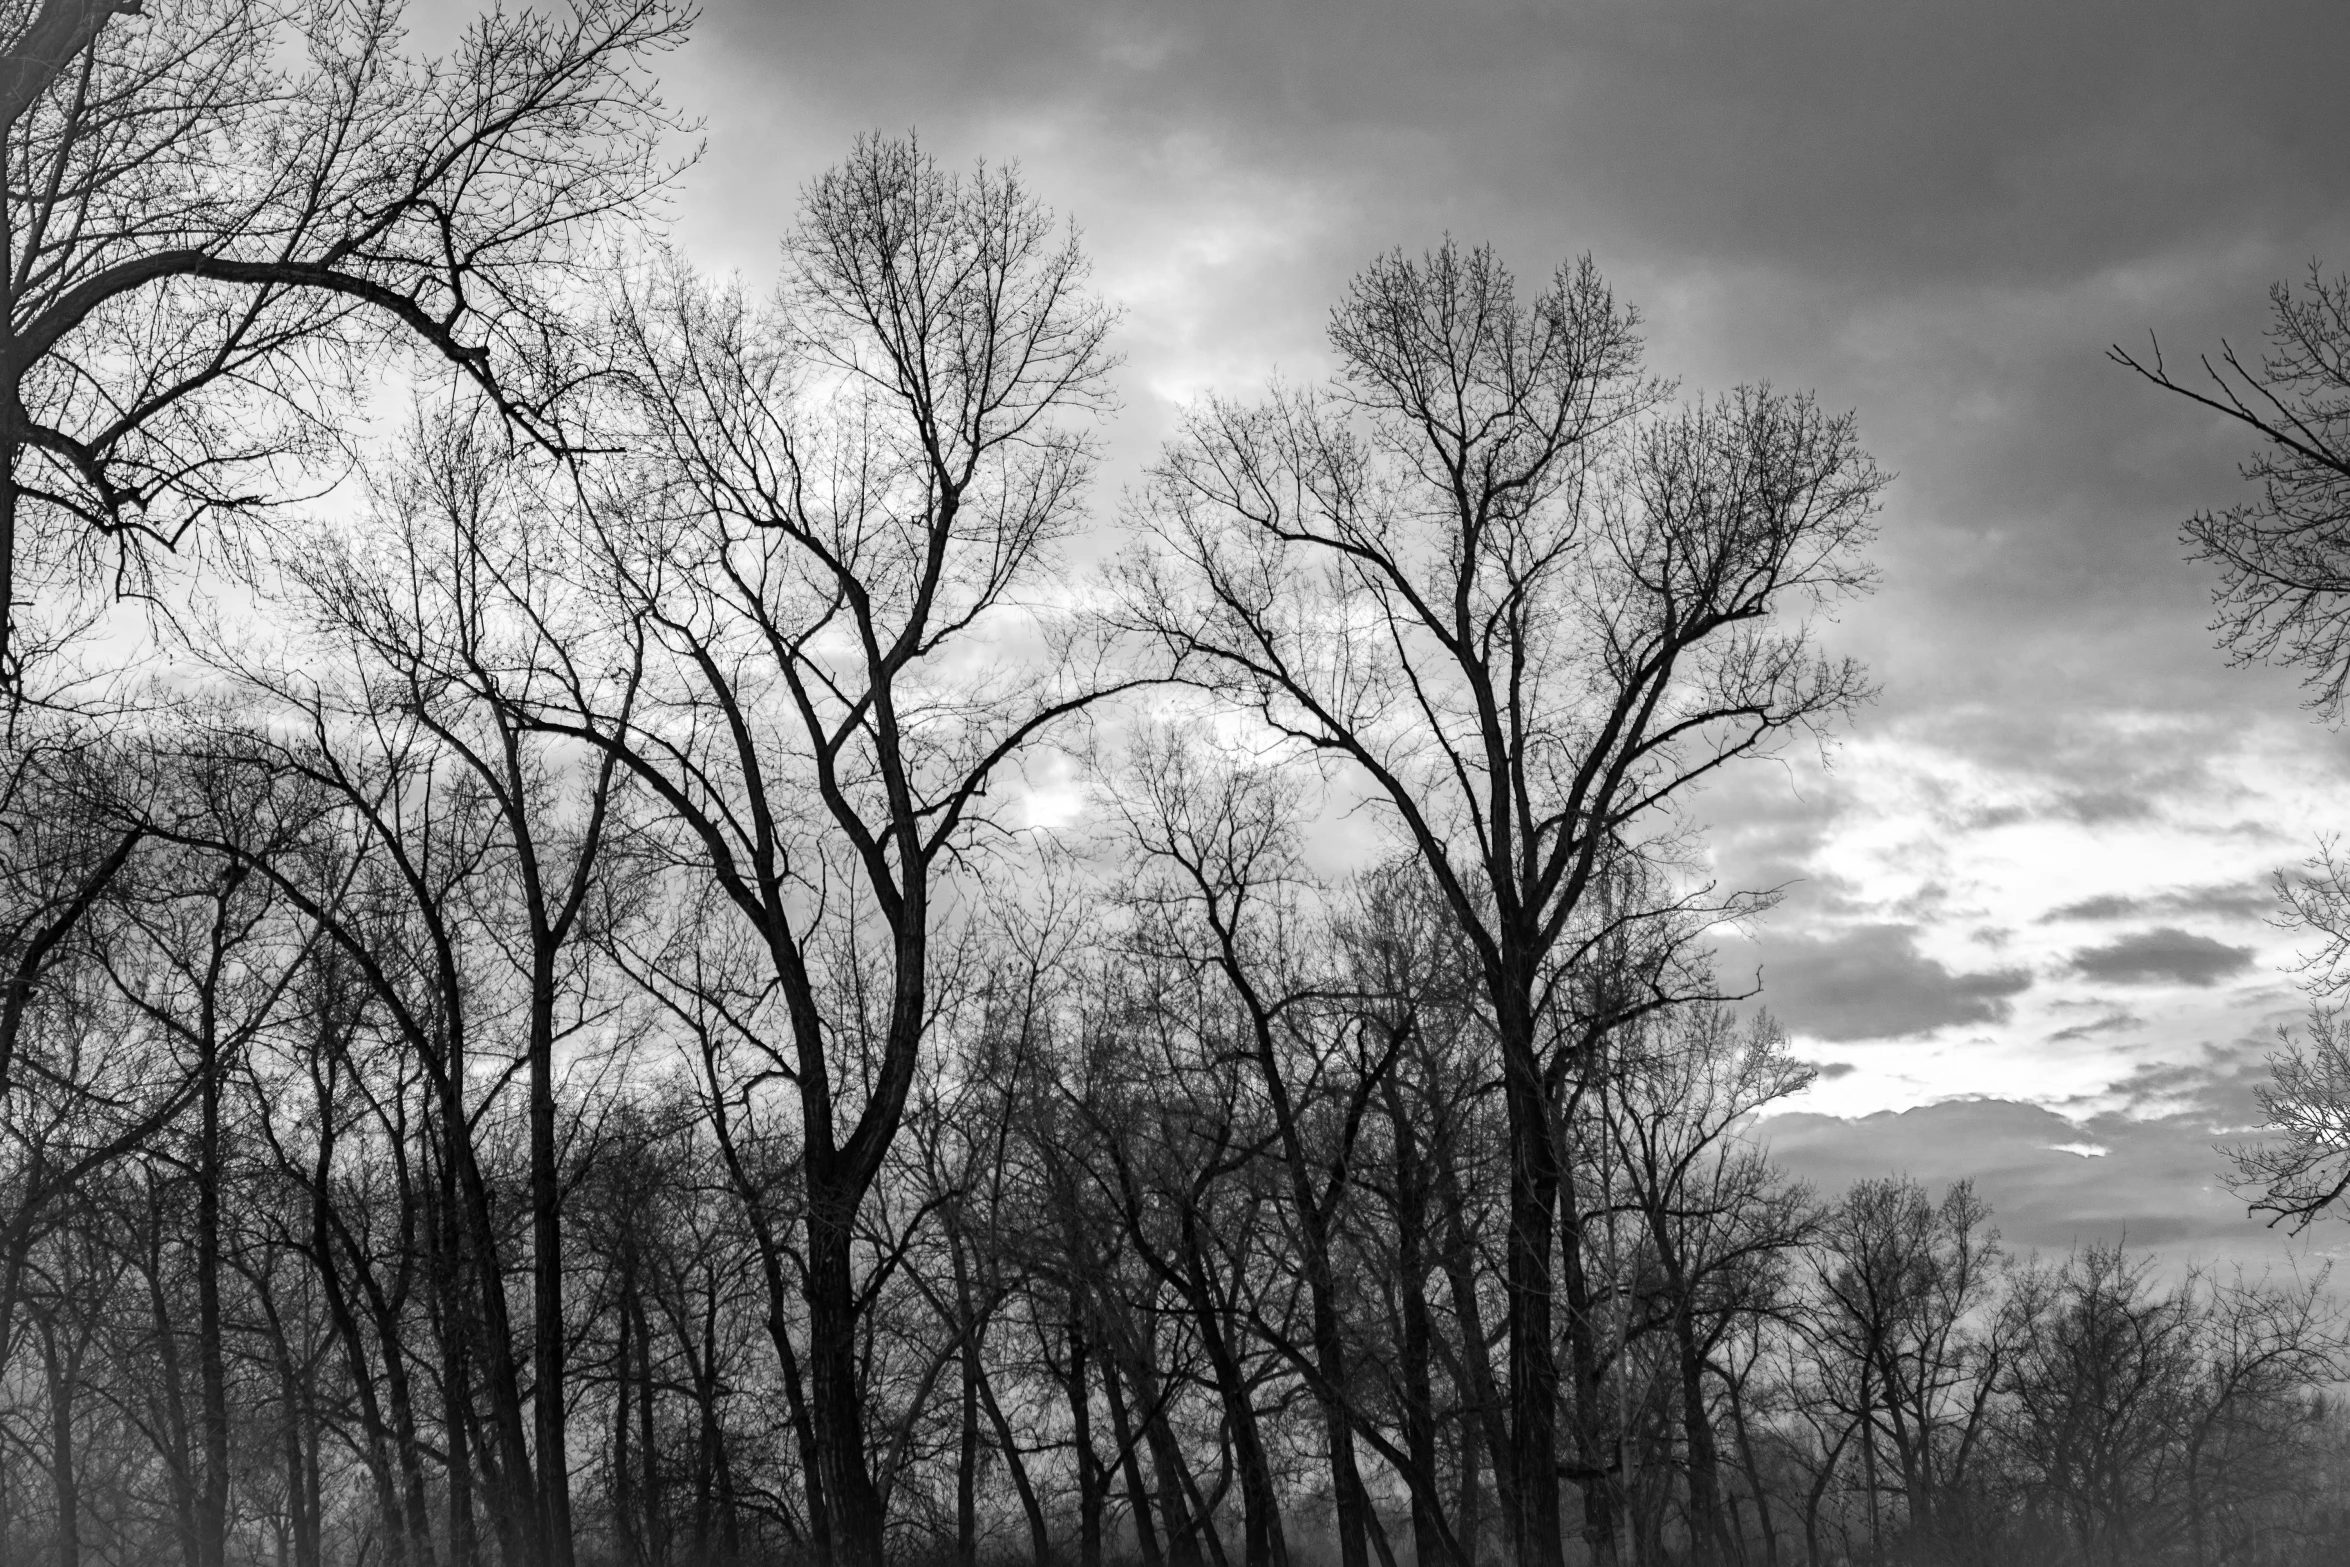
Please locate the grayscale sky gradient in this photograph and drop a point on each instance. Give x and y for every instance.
(2026, 930)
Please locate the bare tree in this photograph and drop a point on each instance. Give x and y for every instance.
(851, 493)
(2284, 597)
(2103, 1364)
(2302, 1171)
(1175, 1131)
(1410, 975)
(2267, 1350)
(560, 1055)
(383, 842)
(191, 960)
(1904, 1285)
(1527, 610)
(446, 620)
(67, 1108)
(1219, 894)
(217, 208)
(1718, 1224)
(2283, 558)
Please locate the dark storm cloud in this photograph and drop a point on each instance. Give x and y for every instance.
(2094, 807)
(2231, 900)
(2000, 138)
(1871, 982)
(2112, 906)
(2164, 955)
(2216, 1087)
(2082, 766)
(1937, 214)
(1849, 135)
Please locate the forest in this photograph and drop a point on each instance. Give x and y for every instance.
(636, 927)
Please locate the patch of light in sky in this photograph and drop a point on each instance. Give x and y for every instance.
(1992, 866)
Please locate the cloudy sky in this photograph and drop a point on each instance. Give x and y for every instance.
(2026, 931)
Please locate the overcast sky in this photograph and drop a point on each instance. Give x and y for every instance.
(2026, 933)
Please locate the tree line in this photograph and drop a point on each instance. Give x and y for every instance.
(661, 981)
(1188, 1250)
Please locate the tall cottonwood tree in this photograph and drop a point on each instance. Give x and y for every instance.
(215, 208)
(1528, 605)
(818, 558)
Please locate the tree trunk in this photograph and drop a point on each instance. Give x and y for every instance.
(652, 1517)
(1816, 1494)
(778, 1318)
(838, 1403)
(410, 1533)
(967, 1431)
(625, 1507)
(474, 1241)
(1146, 1537)
(63, 1372)
(1183, 1527)
(1754, 1475)
(1483, 1419)
(304, 1499)
(1601, 1458)
(1432, 1541)
(1039, 1540)
(1263, 1543)
(173, 1430)
(11, 448)
(411, 1448)
(546, 1233)
(1089, 1468)
(456, 1372)
(211, 1361)
(1535, 1538)
(391, 1525)
(1705, 1488)
(1353, 1502)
